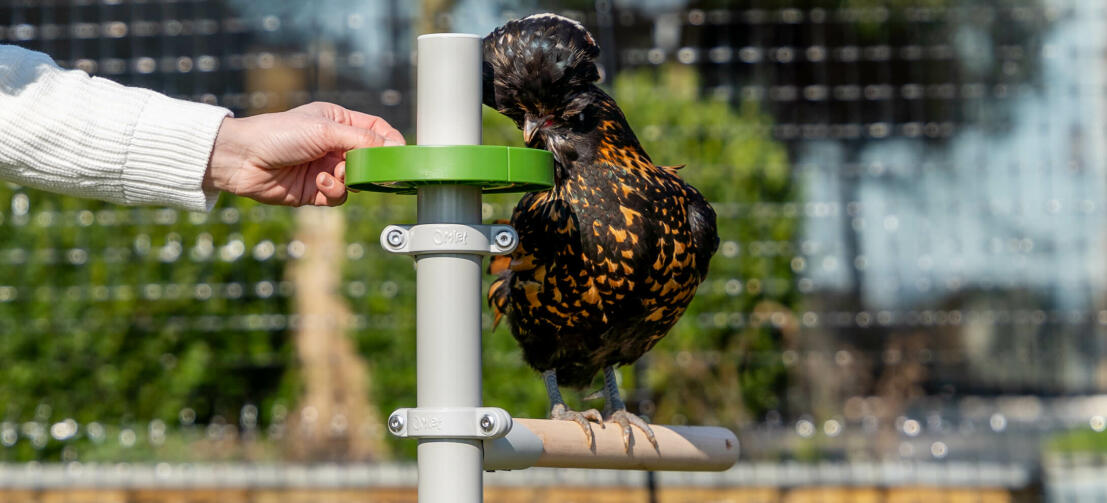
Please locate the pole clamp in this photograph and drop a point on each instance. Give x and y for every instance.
(482, 423)
(425, 239)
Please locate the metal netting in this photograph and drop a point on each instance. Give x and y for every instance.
(911, 200)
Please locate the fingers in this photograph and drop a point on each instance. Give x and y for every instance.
(346, 117)
(331, 192)
(394, 139)
(340, 173)
(343, 138)
(382, 128)
(329, 179)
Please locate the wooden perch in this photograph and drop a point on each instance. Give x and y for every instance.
(562, 444)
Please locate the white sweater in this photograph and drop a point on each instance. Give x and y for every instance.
(65, 132)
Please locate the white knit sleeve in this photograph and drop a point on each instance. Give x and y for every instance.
(65, 132)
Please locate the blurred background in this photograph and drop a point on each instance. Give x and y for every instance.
(909, 302)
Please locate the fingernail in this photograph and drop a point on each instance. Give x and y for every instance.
(326, 182)
(392, 142)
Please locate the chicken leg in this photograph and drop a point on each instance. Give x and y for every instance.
(558, 409)
(616, 410)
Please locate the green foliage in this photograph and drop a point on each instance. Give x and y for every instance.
(129, 315)
(385, 295)
(1078, 441)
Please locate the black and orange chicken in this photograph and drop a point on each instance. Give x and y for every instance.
(610, 257)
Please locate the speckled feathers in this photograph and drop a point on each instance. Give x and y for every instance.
(609, 259)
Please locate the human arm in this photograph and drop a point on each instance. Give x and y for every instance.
(65, 132)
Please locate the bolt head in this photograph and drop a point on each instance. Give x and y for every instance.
(395, 238)
(395, 423)
(505, 239)
(487, 423)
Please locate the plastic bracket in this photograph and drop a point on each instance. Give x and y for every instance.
(483, 423)
(427, 239)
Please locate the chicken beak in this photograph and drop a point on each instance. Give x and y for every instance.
(530, 128)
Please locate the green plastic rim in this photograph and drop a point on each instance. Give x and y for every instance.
(404, 169)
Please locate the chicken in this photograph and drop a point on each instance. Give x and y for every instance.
(610, 257)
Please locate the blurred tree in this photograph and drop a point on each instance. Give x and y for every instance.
(333, 419)
(434, 16)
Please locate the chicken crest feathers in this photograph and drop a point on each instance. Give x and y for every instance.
(527, 59)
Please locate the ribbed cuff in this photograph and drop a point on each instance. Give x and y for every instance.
(169, 152)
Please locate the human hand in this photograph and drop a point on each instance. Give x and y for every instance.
(293, 158)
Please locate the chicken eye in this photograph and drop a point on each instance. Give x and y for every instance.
(548, 123)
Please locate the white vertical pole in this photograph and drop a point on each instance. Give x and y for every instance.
(448, 331)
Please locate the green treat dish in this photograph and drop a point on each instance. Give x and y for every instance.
(404, 169)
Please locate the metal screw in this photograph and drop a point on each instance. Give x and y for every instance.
(487, 422)
(395, 423)
(395, 238)
(504, 239)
